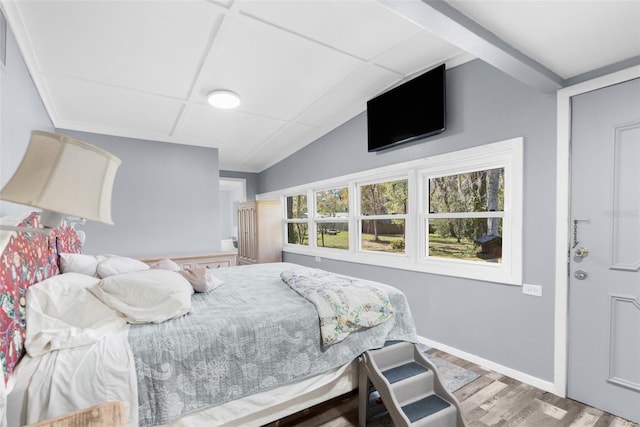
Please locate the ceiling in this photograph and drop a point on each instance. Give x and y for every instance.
(143, 69)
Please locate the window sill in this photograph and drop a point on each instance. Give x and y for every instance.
(494, 273)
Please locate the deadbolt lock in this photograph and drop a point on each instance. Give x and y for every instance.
(580, 275)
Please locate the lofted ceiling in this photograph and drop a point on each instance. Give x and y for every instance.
(143, 69)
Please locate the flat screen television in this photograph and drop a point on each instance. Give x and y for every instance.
(413, 110)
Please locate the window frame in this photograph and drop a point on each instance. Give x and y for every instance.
(506, 154)
(359, 216)
(287, 220)
(317, 219)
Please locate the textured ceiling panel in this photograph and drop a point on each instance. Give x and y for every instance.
(143, 69)
(361, 28)
(367, 79)
(276, 73)
(224, 128)
(154, 47)
(284, 142)
(79, 102)
(569, 37)
(419, 53)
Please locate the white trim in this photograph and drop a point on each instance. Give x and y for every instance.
(478, 214)
(563, 151)
(512, 373)
(505, 154)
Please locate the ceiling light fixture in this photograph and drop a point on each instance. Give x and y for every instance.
(224, 99)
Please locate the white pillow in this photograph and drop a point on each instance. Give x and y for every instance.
(119, 265)
(166, 264)
(150, 296)
(60, 313)
(79, 263)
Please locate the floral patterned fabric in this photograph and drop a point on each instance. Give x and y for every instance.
(344, 304)
(26, 258)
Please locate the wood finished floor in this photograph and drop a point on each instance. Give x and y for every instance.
(490, 400)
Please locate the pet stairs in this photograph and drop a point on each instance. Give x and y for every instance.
(409, 386)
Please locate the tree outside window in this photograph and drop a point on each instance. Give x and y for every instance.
(297, 220)
(383, 208)
(332, 218)
(465, 215)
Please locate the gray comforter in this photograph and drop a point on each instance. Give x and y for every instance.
(251, 334)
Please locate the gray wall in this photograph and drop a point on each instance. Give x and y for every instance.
(165, 199)
(21, 111)
(493, 321)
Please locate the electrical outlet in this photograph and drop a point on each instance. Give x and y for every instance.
(318, 259)
(535, 290)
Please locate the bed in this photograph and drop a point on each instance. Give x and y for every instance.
(248, 352)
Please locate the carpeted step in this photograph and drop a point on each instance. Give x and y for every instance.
(424, 407)
(403, 372)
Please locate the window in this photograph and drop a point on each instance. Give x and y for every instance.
(456, 214)
(464, 217)
(383, 208)
(332, 218)
(297, 220)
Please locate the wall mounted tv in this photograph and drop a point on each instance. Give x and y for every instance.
(413, 110)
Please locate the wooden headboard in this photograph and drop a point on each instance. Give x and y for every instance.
(25, 259)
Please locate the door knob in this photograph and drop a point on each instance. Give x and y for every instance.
(582, 252)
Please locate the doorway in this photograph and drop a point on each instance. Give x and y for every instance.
(231, 192)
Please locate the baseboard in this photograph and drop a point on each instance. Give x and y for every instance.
(520, 376)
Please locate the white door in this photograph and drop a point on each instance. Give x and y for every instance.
(604, 283)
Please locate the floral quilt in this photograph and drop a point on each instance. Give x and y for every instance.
(344, 304)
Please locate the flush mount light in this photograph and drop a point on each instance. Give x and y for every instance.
(224, 99)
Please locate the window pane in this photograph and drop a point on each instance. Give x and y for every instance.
(298, 233)
(333, 203)
(384, 198)
(480, 191)
(297, 206)
(466, 239)
(333, 235)
(385, 235)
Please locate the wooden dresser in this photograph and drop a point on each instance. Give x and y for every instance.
(212, 260)
(259, 232)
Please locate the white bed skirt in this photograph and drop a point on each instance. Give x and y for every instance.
(254, 410)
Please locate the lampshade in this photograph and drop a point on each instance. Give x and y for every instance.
(63, 175)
